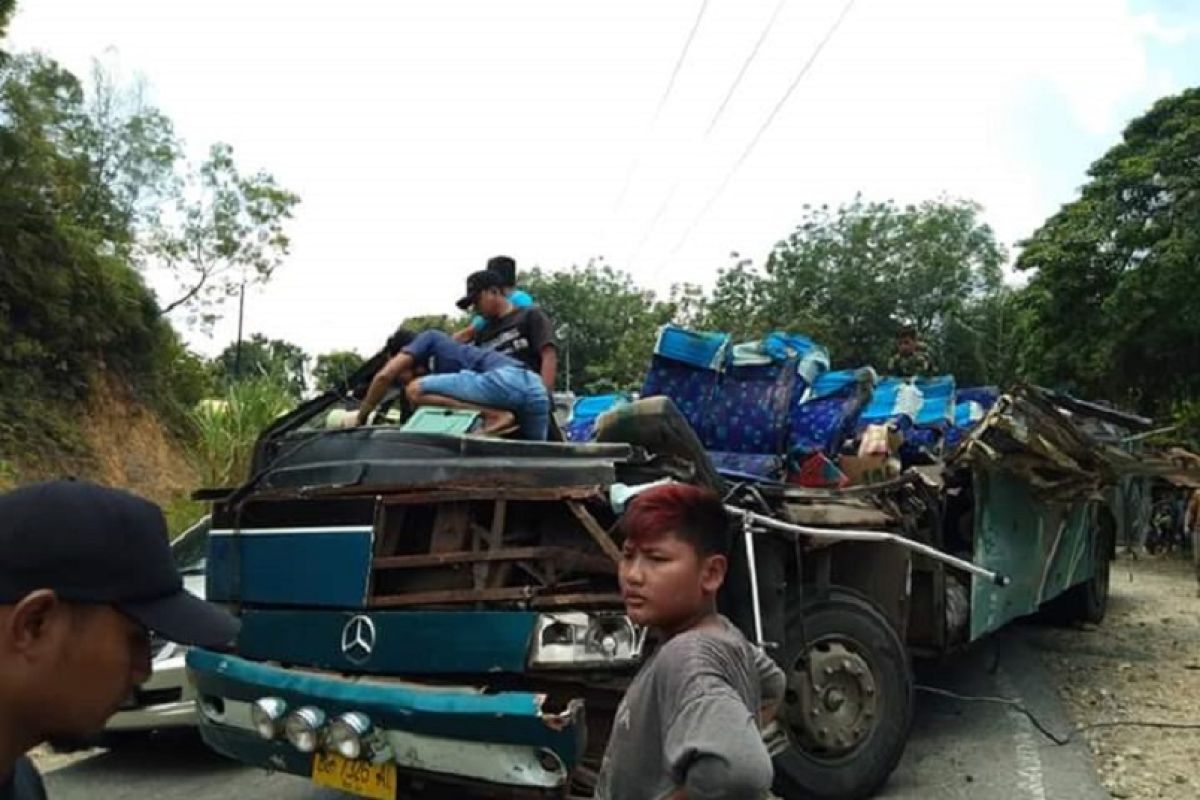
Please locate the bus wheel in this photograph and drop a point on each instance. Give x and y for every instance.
(849, 701)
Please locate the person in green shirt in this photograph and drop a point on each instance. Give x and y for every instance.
(911, 359)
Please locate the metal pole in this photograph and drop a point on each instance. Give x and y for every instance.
(237, 357)
(752, 565)
(840, 535)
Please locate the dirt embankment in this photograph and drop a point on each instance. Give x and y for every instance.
(1142, 663)
(124, 445)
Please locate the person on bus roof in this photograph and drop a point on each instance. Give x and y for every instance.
(438, 371)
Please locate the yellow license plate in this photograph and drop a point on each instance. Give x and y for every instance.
(377, 781)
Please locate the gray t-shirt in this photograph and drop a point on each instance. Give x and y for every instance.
(690, 721)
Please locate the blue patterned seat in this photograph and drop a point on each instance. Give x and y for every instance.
(582, 424)
(748, 465)
(685, 367)
(822, 420)
(749, 409)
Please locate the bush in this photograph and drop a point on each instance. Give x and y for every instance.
(226, 428)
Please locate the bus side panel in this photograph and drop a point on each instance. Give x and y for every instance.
(1044, 546)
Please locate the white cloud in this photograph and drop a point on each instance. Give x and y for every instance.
(426, 136)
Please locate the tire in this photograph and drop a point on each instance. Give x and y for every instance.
(1087, 602)
(847, 633)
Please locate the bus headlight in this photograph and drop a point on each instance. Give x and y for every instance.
(347, 734)
(579, 639)
(303, 728)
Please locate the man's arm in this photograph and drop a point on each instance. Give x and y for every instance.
(383, 379)
(549, 367)
(715, 750)
(772, 685)
(465, 336)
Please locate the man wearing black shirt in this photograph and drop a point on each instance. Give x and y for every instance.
(85, 574)
(526, 334)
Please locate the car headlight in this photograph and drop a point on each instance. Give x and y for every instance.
(267, 716)
(579, 639)
(162, 649)
(303, 728)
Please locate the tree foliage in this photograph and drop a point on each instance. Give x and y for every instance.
(226, 232)
(332, 369)
(605, 321)
(1116, 273)
(851, 276)
(86, 173)
(262, 358)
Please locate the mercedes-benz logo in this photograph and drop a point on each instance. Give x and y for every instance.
(358, 639)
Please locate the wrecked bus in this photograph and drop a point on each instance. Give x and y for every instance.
(423, 607)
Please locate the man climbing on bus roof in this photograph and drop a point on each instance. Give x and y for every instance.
(526, 334)
(911, 358)
(438, 371)
(506, 268)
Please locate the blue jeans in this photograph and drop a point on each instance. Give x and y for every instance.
(514, 389)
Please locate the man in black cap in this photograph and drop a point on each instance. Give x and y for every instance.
(525, 334)
(85, 574)
(506, 268)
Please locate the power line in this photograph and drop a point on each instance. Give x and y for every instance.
(733, 87)
(687, 45)
(804, 70)
(662, 100)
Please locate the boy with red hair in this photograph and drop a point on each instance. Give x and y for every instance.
(688, 724)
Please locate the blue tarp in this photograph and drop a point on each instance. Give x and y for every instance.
(698, 349)
(930, 405)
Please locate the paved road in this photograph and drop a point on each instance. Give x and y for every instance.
(973, 751)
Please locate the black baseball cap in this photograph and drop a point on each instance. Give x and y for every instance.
(91, 544)
(478, 282)
(505, 267)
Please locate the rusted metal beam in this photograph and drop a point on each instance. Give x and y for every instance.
(595, 530)
(564, 557)
(408, 496)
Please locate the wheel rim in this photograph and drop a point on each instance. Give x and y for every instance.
(832, 702)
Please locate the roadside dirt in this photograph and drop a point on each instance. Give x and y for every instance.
(1143, 664)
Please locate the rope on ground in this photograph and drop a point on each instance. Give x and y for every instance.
(1044, 730)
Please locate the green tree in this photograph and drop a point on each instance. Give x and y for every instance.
(1115, 287)
(436, 322)
(850, 276)
(260, 357)
(606, 323)
(335, 367)
(228, 232)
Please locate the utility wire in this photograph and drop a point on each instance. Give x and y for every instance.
(733, 87)
(1045, 730)
(662, 101)
(804, 70)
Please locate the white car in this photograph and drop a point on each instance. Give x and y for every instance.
(168, 700)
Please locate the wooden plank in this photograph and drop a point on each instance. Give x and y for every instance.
(454, 597)
(598, 534)
(497, 574)
(512, 594)
(563, 557)
(389, 530)
(578, 600)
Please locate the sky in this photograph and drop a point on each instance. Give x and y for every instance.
(424, 136)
